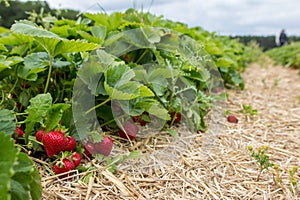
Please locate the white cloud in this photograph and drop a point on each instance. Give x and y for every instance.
(260, 17)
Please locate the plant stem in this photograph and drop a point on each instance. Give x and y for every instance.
(97, 106)
(12, 89)
(142, 56)
(49, 73)
(108, 122)
(258, 176)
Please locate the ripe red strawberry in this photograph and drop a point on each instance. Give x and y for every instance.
(40, 135)
(135, 118)
(105, 146)
(232, 119)
(71, 144)
(63, 166)
(129, 130)
(20, 132)
(177, 119)
(76, 158)
(54, 142)
(89, 149)
(142, 122)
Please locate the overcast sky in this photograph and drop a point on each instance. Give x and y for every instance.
(229, 17)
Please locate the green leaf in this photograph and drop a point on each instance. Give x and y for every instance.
(135, 154)
(152, 35)
(7, 62)
(99, 31)
(162, 72)
(99, 18)
(224, 62)
(24, 98)
(18, 192)
(16, 40)
(51, 42)
(54, 115)
(2, 47)
(7, 122)
(146, 92)
(118, 75)
(33, 64)
(96, 136)
(8, 156)
(92, 74)
(28, 28)
(35, 185)
(89, 37)
(172, 132)
(127, 91)
(68, 46)
(200, 74)
(39, 105)
(26, 180)
(153, 107)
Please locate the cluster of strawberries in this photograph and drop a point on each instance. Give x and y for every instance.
(55, 142)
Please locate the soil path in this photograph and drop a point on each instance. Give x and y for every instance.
(226, 171)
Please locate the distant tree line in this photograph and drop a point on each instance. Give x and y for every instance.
(16, 10)
(265, 42)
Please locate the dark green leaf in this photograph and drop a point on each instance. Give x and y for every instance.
(54, 115)
(7, 122)
(35, 185)
(8, 156)
(118, 75)
(18, 192)
(33, 64)
(39, 105)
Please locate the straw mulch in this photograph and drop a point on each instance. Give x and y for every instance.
(211, 165)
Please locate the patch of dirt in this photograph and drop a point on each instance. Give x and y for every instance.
(212, 165)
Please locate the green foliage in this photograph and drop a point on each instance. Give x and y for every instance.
(119, 58)
(19, 177)
(264, 42)
(7, 124)
(42, 113)
(287, 55)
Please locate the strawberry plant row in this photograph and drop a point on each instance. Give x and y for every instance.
(69, 87)
(287, 55)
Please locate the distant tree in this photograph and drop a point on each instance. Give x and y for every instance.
(265, 42)
(16, 10)
(10, 11)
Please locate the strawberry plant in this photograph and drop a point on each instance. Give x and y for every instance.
(19, 177)
(287, 55)
(66, 82)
